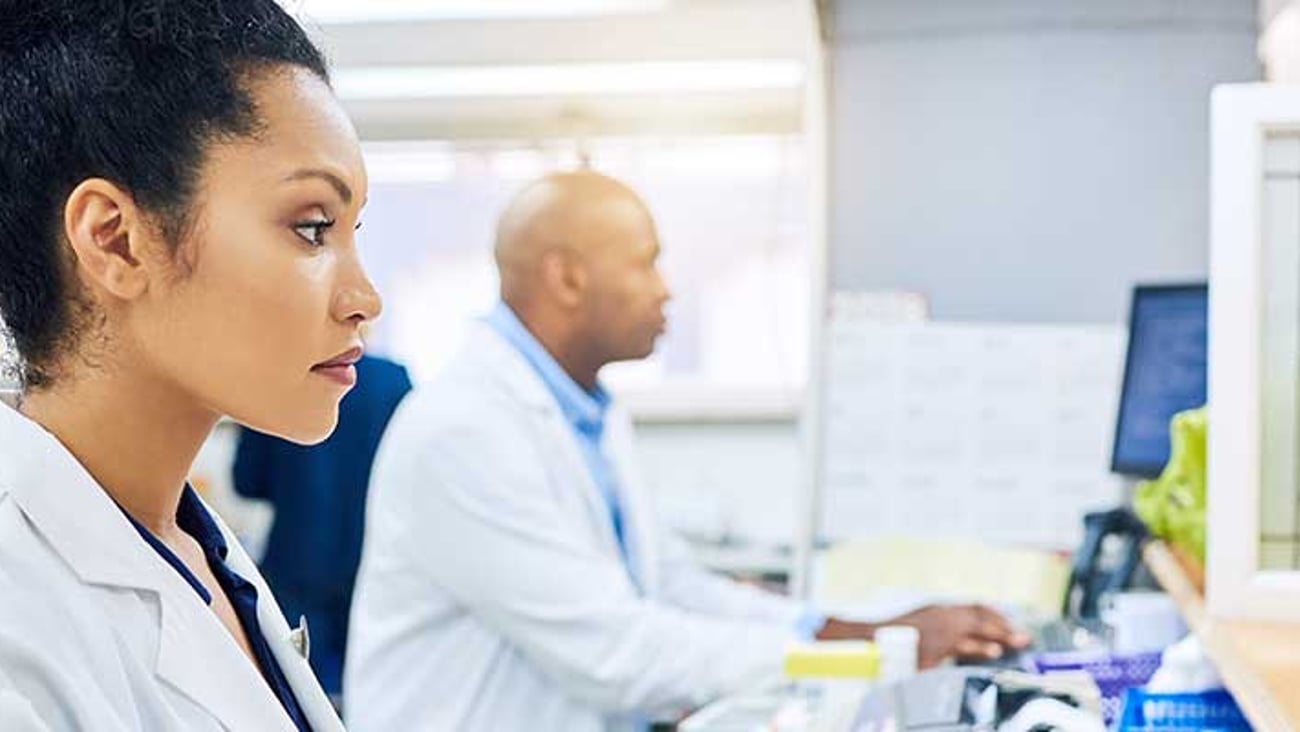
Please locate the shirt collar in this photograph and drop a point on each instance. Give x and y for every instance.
(584, 410)
(195, 520)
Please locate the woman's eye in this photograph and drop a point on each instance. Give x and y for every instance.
(313, 232)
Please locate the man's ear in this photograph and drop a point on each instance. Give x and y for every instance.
(565, 276)
(108, 235)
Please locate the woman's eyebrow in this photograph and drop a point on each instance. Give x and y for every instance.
(339, 185)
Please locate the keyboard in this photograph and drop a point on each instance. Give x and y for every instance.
(1067, 636)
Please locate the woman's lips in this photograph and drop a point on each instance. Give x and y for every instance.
(345, 374)
(341, 368)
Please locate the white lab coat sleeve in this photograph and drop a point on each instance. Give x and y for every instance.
(688, 585)
(16, 712)
(470, 508)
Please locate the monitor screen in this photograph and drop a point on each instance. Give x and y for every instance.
(1164, 373)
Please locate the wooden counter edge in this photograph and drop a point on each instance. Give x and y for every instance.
(1239, 675)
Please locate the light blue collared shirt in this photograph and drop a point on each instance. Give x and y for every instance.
(584, 411)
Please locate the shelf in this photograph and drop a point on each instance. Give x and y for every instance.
(1259, 661)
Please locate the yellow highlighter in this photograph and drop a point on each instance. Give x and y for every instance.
(840, 659)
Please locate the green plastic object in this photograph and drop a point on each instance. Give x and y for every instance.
(1173, 505)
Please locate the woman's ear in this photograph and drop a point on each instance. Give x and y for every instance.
(108, 236)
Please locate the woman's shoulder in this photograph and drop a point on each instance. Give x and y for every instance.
(51, 621)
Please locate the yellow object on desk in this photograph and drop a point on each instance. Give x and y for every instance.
(865, 571)
(846, 659)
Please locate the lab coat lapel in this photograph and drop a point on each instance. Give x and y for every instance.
(523, 383)
(196, 655)
(639, 520)
(297, 671)
(569, 454)
(70, 510)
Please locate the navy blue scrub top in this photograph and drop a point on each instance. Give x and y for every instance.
(194, 520)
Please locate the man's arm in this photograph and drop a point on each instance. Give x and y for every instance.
(961, 631)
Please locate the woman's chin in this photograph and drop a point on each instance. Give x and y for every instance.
(305, 429)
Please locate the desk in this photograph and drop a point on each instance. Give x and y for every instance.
(1259, 662)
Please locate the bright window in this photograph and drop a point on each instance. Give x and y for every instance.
(732, 214)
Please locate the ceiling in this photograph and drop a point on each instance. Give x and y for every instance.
(419, 69)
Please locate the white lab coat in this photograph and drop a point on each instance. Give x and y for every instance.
(97, 632)
(492, 594)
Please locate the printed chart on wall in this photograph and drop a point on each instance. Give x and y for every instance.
(997, 433)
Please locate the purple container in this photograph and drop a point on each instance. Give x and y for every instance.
(1114, 674)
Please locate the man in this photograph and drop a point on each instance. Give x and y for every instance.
(514, 577)
(319, 496)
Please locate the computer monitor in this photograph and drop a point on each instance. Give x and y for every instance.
(1164, 373)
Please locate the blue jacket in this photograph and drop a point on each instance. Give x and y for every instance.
(319, 495)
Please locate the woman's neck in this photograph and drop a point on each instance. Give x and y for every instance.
(137, 437)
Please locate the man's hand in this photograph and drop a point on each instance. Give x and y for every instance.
(971, 632)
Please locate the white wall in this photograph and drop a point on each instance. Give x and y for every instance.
(729, 481)
(1026, 159)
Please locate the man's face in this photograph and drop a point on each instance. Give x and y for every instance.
(626, 294)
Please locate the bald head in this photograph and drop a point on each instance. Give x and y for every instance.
(575, 213)
(578, 254)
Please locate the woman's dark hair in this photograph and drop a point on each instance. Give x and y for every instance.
(131, 91)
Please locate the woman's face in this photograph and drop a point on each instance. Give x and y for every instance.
(262, 319)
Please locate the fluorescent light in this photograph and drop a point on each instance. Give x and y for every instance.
(356, 11)
(424, 82)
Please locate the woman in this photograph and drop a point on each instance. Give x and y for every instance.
(180, 189)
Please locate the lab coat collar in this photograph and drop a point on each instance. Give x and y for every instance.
(583, 409)
(511, 371)
(491, 353)
(69, 509)
(84, 526)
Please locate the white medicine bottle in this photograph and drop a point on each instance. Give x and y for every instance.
(899, 649)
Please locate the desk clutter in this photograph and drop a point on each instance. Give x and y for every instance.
(1070, 694)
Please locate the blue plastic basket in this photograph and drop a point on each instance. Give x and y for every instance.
(1208, 711)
